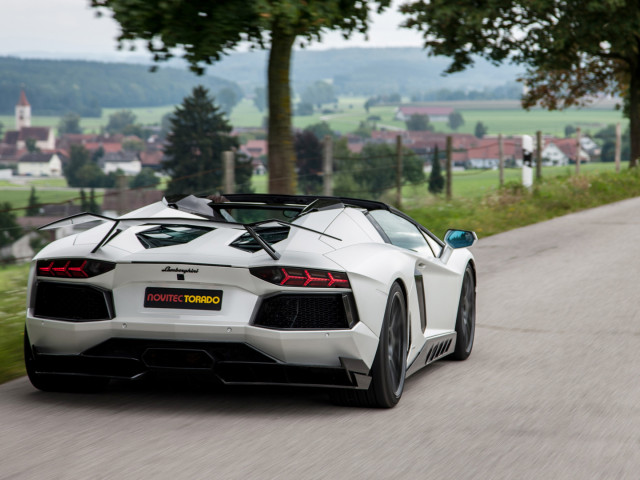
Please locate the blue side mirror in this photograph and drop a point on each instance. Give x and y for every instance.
(460, 238)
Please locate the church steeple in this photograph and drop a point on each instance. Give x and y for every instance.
(23, 112)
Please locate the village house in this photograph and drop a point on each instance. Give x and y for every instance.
(39, 164)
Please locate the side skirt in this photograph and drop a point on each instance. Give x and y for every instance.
(434, 349)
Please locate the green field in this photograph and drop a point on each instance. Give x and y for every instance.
(13, 286)
(506, 117)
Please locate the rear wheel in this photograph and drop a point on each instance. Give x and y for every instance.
(466, 319)
(58, 383)
(390, 364)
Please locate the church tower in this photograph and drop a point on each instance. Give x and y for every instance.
(23, 112)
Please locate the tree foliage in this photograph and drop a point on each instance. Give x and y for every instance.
(31, 144)
(574, 50)
(373, 171)
(120, 120)
(69, 123)
(33, 209)
(455, 120)
(260, 98)
(418, 123)
(55, 87)
(199, 134)
(227, 98)
(304, 109)
(145, 179)
(308, 162)
(83, 171)
(480, 130)
(10, 231)
(205, 30)
(319, 94)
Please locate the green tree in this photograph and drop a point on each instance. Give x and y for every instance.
(480, 130)
(308, 162)
(133, 145)
(84, 203)
(371, 171)
(205, 30)
(33, 209)
(146, 178)
(227, 99)
(93, 204)
(199, 134)
(10, 231)
(30, 143)
(569, 130)
(83, 171)
(318, 94)
(418, 123)
(436, 179)
(1, 130)
(321, 130)
(455, 120)
(304, 109)
(119, 120)
(69, 123)
(260, 98)
(573, 49)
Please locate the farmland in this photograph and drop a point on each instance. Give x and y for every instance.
(505, 116)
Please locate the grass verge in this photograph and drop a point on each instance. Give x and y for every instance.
(13, 291)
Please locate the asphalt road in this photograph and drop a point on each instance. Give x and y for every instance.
(550, 391)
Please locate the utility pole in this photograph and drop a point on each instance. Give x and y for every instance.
(539, 155)
(618, 146)
(578, 151)
(449, 168)
(399, 172)
(501, 159)
(327, 166)
(228, 162)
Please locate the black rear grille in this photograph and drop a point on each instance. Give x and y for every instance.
(304, 311)
(74, 302)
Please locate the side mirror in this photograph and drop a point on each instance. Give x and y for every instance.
(460, 238)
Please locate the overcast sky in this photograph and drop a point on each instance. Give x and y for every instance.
(69, 28)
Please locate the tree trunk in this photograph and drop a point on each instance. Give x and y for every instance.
(634, 114)
(282, 176)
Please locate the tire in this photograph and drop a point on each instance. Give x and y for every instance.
(58, 383)
(466, 319)
(390, 364)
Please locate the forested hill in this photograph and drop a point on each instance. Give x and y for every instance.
(367, 71)
(55, 87)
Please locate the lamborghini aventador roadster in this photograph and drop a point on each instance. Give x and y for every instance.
(346, 294)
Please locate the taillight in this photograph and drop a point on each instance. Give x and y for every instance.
(302, 277)
(72, 268)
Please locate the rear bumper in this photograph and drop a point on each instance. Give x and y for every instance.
(231, 363)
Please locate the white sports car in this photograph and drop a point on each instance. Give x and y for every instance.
(251, 289)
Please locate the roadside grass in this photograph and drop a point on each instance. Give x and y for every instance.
(514, 206)
(13, 291)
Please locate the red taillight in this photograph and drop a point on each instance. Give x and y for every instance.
(72, 268)
(302, 277)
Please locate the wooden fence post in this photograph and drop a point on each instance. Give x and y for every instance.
(538, 155)
(501, 159)
(399, 171)
(449, 166)
(228, 162)
(618, 146)
(327, 166)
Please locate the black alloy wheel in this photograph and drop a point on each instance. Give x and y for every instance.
(466, 319)
(390, 364)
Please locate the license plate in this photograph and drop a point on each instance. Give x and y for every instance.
(182, 298)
